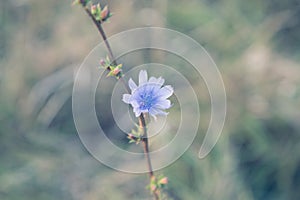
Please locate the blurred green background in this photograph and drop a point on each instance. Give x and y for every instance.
(256, 45)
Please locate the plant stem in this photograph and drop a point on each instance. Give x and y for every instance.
(142, 121)
(145, 142)
(103, 35)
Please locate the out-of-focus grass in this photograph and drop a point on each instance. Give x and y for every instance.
(256, 46)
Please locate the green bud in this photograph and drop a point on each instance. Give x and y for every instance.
(163, 181)
(105, 13)
(93, 9)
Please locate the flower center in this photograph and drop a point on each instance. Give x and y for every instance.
(147, 100)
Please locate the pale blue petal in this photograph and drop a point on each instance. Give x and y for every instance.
(143, 77)
(159, 81)
(137, 112)
(163, 104)
(126, 98)
(165, 92)
(134, 104)
(132, 84)
(152, 88)
(155, 111)
(152, 79)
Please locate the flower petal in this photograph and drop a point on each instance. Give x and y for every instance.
(163, 104)
(165, 92)
(132, 84)
(143, 77)
(155, 111)
(160, 81)
(126, 98)
(137, 112)
(134, 104)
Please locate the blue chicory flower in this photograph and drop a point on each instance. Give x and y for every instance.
(150, 96)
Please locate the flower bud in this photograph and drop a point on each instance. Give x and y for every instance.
(102, 62)
(130, 136)
(105, 13)
(116, 71)
(153, 187)
(93, 9)
(163, 181)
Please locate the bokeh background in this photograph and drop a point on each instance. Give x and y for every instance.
(256, 45)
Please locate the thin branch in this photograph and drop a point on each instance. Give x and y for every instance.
(142, 121)
(146, 151)
(103, 35)
(146, 144)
